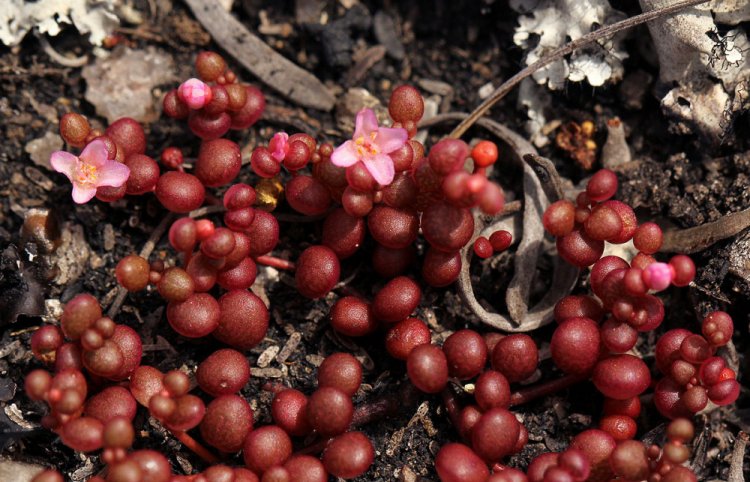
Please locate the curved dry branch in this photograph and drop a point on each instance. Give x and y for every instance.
(698, 238)
(737, 459)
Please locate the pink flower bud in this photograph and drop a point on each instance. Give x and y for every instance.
(657, 276)
(279, 146)
(195, 93)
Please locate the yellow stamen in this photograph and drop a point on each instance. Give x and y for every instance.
(365, 147)
(86, 174)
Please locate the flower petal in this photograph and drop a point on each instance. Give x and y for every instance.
(113, 174)
(82, 195)
(345, 155)
(64, 162)
(390, 139)
(381, 168)
(366, 122)
(279, 146)
(95, 153)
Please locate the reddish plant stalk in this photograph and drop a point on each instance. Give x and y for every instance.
(452, 406)
(275, 262)
(384, 406)
(526, 395)
(378, 409)
(195, 446)
(314, 448)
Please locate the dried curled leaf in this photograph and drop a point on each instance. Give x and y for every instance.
(521, 317)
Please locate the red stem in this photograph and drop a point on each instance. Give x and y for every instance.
(275, 262)
(195, 446)
(378, 409)
(385, 406)
(315, 448)
(452, 406)
(543, 389)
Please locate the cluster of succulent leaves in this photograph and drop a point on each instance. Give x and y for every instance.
(383, 184)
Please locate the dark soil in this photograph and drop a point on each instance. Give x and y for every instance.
(464, 44)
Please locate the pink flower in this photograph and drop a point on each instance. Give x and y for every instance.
(371, 145)
(90, 170)
(195, 93)
(279, 146)
(657, 276)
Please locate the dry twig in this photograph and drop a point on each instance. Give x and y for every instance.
(738, 457)
(698, 238)
(273, 69)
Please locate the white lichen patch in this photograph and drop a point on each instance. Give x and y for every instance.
(535, 99)
(96, 18)
(548, 24)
